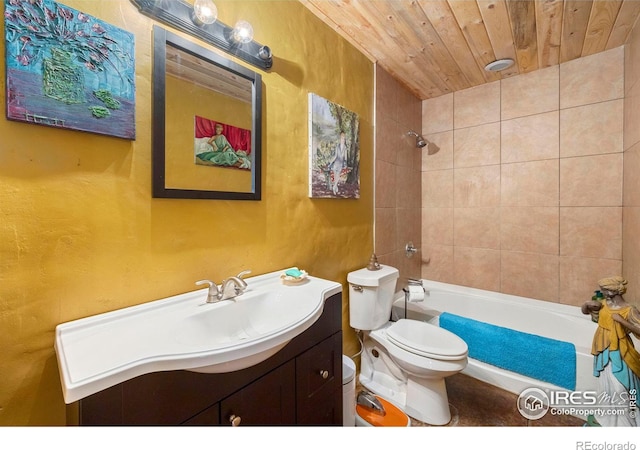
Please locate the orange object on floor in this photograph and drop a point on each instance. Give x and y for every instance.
(394, 417)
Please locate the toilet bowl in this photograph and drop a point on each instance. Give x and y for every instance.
(405, 362)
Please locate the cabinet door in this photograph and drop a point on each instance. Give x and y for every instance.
(269, 400)
(210, 416)
(319, 383)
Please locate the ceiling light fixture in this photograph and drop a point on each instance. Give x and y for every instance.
(500, 64)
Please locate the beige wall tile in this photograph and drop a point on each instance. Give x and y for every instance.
(393, 259)
(631, 252)
(632, 116)
(594, 232)
(592, 79)
(386, 94)
(443, 159)
(477, 227)
(477, 186)
(437, 226)
(409, 227)
(531, 138)
(437, 189)
(437, 263)
(477, 146)
(591, 180)
(385, 230)
(631, 177)
(532, 93)
(386, 180)
(632, 60)
(408, 192)
(530, 229)
(387, 140)
(532, 183)
(579, 277)
(592, 129)
(477, 267)
(437, 114)
(398, 183)
(476, 105)
(531, 275)
(409, 110)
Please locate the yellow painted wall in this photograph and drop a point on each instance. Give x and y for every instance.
(183, 100)
(80, 233)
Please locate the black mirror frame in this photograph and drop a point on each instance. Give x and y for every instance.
(162, 38)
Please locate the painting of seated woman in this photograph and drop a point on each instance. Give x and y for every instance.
(221, 145)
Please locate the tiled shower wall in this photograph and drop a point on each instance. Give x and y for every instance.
(525, 195)
(631, 184)
(397, 177)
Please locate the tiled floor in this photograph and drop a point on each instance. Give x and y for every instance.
(474, 403)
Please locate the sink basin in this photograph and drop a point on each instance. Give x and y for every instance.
(183, 332)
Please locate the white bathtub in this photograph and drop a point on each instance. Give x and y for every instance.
(551, 320)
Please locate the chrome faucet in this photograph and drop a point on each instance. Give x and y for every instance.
(232, 287)
(229, 288)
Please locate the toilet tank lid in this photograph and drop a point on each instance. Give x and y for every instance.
(366, 277)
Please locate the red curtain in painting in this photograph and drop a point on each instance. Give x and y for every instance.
(239, 138)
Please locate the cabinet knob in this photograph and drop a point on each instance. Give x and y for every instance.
(324, 374)
(234, 420)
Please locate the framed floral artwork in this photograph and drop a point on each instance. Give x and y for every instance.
(67, 69)
(334, 150)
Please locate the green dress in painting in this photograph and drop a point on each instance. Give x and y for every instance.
(222, 154)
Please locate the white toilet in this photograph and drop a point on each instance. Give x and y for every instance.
(406, 361)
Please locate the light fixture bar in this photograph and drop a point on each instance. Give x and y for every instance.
(178, 14)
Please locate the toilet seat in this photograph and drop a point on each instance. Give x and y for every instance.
(427, 340)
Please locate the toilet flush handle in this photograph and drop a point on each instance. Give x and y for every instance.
(357, 287)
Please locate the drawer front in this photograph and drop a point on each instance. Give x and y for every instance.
(269, 400)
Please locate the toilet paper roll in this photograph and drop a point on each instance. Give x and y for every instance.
(416, 293)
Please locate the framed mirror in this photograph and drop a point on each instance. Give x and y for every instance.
(207, 117)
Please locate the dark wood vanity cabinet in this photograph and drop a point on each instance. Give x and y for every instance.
(301, 384)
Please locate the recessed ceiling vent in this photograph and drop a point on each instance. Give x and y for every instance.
(499, 65)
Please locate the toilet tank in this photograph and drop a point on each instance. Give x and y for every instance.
(371, 295)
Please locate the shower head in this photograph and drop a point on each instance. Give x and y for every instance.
(420, 141)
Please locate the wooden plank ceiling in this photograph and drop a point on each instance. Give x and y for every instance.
(439, 46)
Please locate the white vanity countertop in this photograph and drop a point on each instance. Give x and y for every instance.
(183, 332)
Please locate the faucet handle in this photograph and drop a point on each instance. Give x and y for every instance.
(213, 290)
(207, 282)
(243, 273)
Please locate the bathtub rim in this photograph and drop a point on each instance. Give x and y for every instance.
(561, 308)
(510, 381)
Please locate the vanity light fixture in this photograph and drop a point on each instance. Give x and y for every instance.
(193, 20)
(265, 53)
(204, 12)
(242, 32)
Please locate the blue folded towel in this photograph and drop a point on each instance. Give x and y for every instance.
(537, 357)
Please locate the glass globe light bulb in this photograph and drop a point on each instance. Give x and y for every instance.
(205, 11)
(242, 32)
